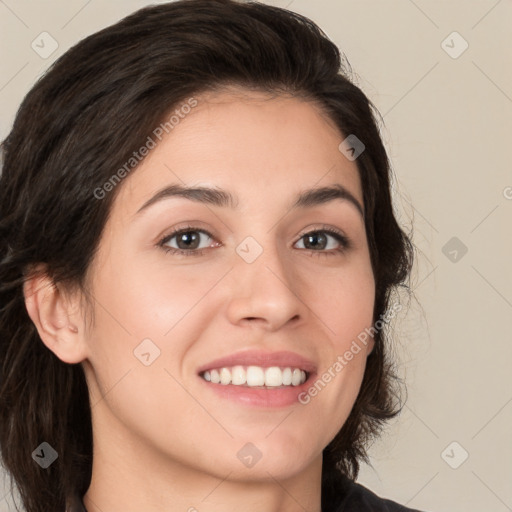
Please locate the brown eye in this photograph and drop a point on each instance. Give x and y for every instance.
(318, 241)
(187, 241)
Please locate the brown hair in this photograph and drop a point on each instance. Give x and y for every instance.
(80, 123)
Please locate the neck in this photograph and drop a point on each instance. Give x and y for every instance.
(117, 491)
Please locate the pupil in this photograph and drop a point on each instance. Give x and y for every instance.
(315, 237)
(189, 239)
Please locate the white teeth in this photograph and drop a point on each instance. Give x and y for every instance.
(287, 376)
(238, 375)
(256, 376)
(225, 376)
(215, 377)
(274, 376)
(296, 377)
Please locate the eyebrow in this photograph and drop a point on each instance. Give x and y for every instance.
(223, 198)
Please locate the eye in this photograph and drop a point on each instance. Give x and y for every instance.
(318, 241)
(188, 240)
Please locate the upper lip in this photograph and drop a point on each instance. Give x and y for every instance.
(260, 358)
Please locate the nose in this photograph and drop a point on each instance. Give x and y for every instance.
(266, 292)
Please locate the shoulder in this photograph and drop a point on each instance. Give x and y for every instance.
(357, 498)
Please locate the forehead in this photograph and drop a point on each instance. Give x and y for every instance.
(242, 140)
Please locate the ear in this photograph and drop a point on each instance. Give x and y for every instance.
(57, 317)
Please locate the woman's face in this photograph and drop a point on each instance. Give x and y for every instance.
(249, 279)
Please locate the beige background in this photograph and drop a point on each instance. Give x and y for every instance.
(448, 123)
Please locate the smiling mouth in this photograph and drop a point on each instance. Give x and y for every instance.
(273, 377)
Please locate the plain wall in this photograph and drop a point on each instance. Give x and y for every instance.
(448, 122)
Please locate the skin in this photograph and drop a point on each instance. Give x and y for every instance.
(162, 441)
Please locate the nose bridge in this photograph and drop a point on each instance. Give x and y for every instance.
(263, 252)
(264, 285)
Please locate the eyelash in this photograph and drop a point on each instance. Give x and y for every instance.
(345, 243)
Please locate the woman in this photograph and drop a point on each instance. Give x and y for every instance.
(198, 254)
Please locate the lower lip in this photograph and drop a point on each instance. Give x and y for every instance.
(277, 397)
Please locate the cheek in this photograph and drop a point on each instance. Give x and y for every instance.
(146, 319)
(149, 299)
(141, 333)
(344, 302)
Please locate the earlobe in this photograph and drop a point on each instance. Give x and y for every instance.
(51, 312)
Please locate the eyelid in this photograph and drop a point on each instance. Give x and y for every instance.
(184, 229)
(323, 228)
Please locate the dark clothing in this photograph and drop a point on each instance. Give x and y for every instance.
(352, 497)
(358, 498)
